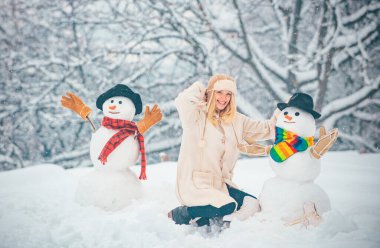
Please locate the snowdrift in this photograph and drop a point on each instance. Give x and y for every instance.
(37, 209)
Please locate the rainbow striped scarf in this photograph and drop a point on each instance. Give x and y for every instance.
(287, 143)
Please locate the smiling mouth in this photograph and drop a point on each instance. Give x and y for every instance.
(114, 112)
(289, 121)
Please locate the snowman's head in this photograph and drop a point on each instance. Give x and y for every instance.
(119, 107)
(297, 121)
(120, 102)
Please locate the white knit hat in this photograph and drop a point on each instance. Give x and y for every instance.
(225, 84)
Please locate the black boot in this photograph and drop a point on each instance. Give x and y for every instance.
(204, 221)
(180, 215)
(217, 224)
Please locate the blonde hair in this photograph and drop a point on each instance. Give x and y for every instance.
(229, 112)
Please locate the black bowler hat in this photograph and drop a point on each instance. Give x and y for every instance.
(120, 90)
(302, 101)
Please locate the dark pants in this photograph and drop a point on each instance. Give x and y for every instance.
(209, 211)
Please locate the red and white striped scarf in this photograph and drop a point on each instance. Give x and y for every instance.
(126, 128)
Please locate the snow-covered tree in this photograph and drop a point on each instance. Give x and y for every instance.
(326, 48)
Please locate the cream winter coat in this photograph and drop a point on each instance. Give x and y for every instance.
(208, 154)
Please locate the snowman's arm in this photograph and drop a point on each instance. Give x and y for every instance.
(324, 143)
(74, 103)
(91, 123)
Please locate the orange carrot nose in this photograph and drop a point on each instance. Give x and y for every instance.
(289, 118)
(112, 107)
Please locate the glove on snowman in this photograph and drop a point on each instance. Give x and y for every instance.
(114, 147)
(295, 158)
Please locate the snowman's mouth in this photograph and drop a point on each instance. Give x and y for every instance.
(290, 121)
(114, 112)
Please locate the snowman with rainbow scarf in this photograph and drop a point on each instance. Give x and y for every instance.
(295, 158)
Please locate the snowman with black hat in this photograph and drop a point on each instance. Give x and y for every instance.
(292, 194)
(114, 147)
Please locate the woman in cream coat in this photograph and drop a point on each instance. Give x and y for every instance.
(212, 131)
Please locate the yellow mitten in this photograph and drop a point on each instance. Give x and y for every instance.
(254, 149)
(150, 118)
(75, 104)
(324, 143)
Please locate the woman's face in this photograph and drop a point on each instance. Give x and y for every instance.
(222, 98)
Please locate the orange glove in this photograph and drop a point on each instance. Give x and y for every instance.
(75, 104)
(150, 118)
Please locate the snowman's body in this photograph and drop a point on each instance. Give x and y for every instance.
(285, 195)
(125, 155)
(113, 185)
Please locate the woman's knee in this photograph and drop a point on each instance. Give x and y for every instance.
(228, 208)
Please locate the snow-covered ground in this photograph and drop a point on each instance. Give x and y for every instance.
(37, 209)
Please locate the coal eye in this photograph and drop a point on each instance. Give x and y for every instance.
(286, 112)
(111, 101)
(297, 113)
(120, 102)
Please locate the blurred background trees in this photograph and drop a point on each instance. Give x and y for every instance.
(327, 48)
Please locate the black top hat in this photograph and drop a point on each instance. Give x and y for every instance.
(302, 101)
(120, 90)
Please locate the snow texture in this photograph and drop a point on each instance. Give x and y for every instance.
(38, 209)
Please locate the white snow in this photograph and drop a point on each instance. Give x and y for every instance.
(37, 209)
